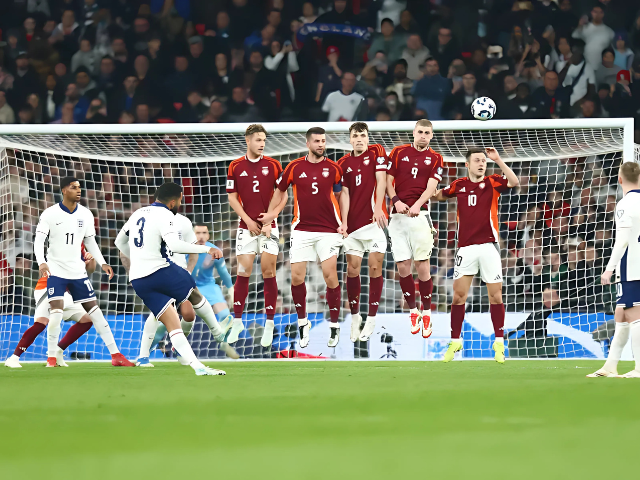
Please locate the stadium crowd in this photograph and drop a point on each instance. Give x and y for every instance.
(104, 61)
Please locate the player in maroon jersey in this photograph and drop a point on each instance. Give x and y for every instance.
(250, 185)
(412, 179)
(314, 235)
(478, 241)
(364, 215)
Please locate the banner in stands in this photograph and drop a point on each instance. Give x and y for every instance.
(320, 29)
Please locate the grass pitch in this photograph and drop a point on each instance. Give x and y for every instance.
(319, 420)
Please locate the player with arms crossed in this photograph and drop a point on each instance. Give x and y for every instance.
(364, 215)
(251, 182)
(71, 311)
(160, 283)
(478, 241)
(314, 235)
(65, 227)
(413, 176)
(625, 260)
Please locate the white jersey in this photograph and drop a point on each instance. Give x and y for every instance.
(65, 232)
(146, 229)
(628, 216)
(186, 233)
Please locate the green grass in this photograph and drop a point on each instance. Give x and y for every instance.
(319, 420)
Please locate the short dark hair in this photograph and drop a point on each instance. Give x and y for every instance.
(315, 131)
(168, 191)
(386, 20)
(201, 224)
(359, 127)
(630, 171)
(472, 150)
(66, 181)
(255, 128)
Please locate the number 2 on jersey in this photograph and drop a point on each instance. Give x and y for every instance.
(140, 240)
(256, 184)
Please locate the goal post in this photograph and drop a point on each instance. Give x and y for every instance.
(556, 230)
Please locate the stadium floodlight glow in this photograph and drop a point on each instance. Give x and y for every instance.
(570, 166)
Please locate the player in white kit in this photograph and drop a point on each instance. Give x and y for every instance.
(64, 228)
(146, 239)
(625, 260)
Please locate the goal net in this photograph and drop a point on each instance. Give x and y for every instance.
(556, 233)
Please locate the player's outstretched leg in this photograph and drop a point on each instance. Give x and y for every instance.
(28, 337)
(634, 330)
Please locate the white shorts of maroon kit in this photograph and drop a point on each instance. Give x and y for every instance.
(370, 238)
(313, 246)
(71, 311)
(411, 237)
(484, 258)
(247, 244)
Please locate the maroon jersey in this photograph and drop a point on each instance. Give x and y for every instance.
(254, 182)
(359, 176)
(412, 170)
(315, 208)
(477, 208)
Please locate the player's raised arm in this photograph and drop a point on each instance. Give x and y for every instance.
(512, 178)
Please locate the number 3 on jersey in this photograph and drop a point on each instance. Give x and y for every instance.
(140, 240)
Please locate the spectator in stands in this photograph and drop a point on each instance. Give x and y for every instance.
(519, 106)
(415, 54)
(431, 90)
(621, 103)
(263, 87)
(87, 57)
(588, 108)
(216, 112)
(369, 83)
(596, 35)
(383, 115)
(142, 113)
(283, 62)
(457, 106)
(180, 81)
(395, 108)
(344, 105)
(341, 14)
(79, 102)
(387, 41)
(124, 100)
(194, 110)
(577, 75)
(607, 70)
(97, 112)
(546, 101)
(239, 110)
(400, 83)
(444, 48)
(6, 112)
(308, 13)
(25, 81)
(407, 26)
(564, 54)
(623, 54)
(222, 77)
(329, 75)
(67, 113)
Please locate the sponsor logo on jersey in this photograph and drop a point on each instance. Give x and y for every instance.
(303, 175)
(80, 223)
(51, 290)
(325, 172)
(381, 160)
(244, 174)
(462, 190)
(265, 171)
(230, 183)
(482, 185)
(405, 159)
(349, 170)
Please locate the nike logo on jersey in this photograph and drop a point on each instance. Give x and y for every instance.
(462, 190)
(349, 170)
(405, 159)
(303, 175)
(244, 174)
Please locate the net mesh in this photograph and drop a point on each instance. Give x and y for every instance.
(556, 234)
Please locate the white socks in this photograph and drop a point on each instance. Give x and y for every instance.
(181, 344)
(635, 342)
(620, 339)
(102, 327)
(148, 334)
(204, 311)
(499, 340)
(186, 327)
(53, 332)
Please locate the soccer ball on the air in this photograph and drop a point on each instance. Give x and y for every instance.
(483, 108)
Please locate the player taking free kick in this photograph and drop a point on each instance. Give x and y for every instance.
(478, 241)
(251, 182)
(65, 227)
(625, 260)
(413, 176)
(364, 215)
(160, 283)
(316, 220)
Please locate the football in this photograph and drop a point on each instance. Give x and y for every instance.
(483, 108)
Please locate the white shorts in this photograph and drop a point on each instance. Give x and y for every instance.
(484, 257)
(411, 237)
(247, 244)
(311, 246)
(370, 238)
(71, 311)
